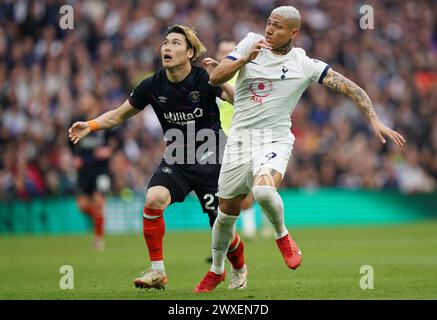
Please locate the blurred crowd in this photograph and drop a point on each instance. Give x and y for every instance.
(50, 77)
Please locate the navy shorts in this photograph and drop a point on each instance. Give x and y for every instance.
(181, 179)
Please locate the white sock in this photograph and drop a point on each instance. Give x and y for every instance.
(248, 222)
(158, 266)
(273, 207)
(223, 232)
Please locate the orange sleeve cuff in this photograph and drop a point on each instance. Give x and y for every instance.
(93, 125)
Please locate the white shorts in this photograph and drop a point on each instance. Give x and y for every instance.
(242, 160)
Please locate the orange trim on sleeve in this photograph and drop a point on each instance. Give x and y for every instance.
(93, 125)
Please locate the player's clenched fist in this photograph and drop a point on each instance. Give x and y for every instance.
(78, 130)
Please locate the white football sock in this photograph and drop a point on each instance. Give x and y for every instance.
(223, 232)
(273, 207)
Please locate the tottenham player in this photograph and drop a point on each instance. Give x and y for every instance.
(183, 101)
(226, 111)
(273, 74)
(225, 46)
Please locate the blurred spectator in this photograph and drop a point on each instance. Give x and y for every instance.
(44, 70)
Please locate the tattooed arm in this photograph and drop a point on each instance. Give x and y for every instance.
(340, 83)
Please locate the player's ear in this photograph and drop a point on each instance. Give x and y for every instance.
(190, 53)
(293, 33)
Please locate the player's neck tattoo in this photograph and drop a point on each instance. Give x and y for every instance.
(284, 49)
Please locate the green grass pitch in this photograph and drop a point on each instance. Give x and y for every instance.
(403, 258)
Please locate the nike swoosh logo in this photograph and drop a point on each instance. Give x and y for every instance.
(299, 252)
(254, 62)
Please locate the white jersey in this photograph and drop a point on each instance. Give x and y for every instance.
(269, 87)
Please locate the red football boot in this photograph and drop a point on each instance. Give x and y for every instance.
(291, 253)
(210, 281)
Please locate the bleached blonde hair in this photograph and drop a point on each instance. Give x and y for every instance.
(290, 13)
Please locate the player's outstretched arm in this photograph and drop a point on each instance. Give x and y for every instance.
(340, 83)
(107, 120)
(227, 68)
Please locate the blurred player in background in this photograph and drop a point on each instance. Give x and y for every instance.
(273, 74)
(91, 159)
(182, 99)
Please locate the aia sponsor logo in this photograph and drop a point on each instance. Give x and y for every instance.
(260, 88)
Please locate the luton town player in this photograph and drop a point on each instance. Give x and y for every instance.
(272, 75)
(183, 101)
(91, 158)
